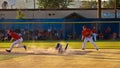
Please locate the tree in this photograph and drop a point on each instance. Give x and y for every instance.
(108, 4)
(53, 4)
(20, 15)
(85, 4)
(4, 5)
(66, 3)
(105, 4)
(118, 3)
(89, 4)
(93, 4)
(111, 3)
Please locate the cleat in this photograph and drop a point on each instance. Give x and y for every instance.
(97, 49)
(25, 47)
(83, 48)
(8, 51)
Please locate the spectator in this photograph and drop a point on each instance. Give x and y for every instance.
(55, 33)
(94, 33)
(107, 33)
(46, 34)
(114, 36)
(101, 36)
(39, 35)
(61, 34)
(50, 35)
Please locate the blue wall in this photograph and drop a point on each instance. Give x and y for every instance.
(68, 29)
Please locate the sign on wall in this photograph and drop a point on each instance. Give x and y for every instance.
(110, 15)
(12, 2)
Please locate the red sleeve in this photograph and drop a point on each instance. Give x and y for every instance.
(94, 30)
(90, 31)
(15, 36)
(83, 33)
(87, 33)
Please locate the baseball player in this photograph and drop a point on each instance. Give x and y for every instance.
(18, 39)
(87, 36)
(60, 48)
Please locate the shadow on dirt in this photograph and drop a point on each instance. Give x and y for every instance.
(45, 53)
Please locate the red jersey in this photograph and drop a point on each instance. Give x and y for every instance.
(15, 35)
(47, 33)
(100, 35)
(107, 30)
(94, 30)
(86, 33)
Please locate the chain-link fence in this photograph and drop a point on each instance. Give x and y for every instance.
(61, 31)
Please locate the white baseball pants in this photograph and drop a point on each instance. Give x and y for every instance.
(17, 42)
(90, 40)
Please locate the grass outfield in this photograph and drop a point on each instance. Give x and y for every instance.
(72, 44)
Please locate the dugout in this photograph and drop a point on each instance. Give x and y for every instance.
(70, 28)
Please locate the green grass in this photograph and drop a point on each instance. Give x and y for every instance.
(72, 44)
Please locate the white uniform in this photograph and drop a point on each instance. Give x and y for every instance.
(95, 36)
(86, 39)
(17, 42)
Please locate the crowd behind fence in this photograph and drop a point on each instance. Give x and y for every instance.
(60, 33)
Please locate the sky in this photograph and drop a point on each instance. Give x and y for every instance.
(29, 4)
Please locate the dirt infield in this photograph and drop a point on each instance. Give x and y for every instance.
(49, 58)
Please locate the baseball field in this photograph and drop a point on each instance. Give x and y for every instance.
(42, 54)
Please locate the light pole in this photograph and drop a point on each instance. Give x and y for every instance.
(99, 9)
(115, 8)
(34, 8)
(34, 3)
